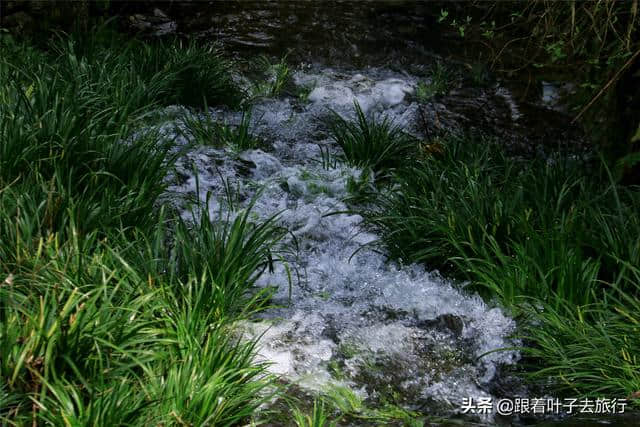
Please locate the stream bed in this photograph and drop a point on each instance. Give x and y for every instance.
(347, 318)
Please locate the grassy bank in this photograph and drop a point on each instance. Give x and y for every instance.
(554, 240)
(114, 311)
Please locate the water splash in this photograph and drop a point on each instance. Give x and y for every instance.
(353, 318)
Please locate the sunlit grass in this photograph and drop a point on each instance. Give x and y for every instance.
(555, 240)
(95, 338)
(340, 405)
(317, 418)
(113, 310)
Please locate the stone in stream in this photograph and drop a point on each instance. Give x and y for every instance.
(450, 322)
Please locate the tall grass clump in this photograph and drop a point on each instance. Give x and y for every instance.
(228, 252)
(518, 228)
(591, 349)
(204, 74)
(208, 131)
(74, 327)
(89, 336)
(66, 110)
(317, 418)
(275, 77)
(113, 310)
(555, 239)
(378, 144)
(196, 73)
(68, 142)
(439, 83)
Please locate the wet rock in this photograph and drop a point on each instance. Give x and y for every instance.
(157, 24)
(331, 331)
(19, 22)
(399, 363)
(245, 167)
(448, 322)
(264, 165)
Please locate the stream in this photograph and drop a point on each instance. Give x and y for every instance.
(347, 317)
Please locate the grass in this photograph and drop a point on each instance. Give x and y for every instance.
(239, 137)
(370, 143)
(439, 83)
(210, 381)
(228, 253)
(65, 112)
(91, 338)
(591, 349)
(556, 241)
(114, 310)
(317, 418)
(304, 91)
(277, 76)
(207, 131)
(536, 223)
(340, 405)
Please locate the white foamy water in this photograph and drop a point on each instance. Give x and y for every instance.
(353, 318)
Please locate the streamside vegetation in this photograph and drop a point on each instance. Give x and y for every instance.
(274, 77)
(376, 144)
(205, 130)
(595, 45)
(555, 240)
(113, 309)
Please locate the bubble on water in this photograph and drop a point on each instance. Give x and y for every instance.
(381, 324)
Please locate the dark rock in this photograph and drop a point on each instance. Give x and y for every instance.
(245, 167)
(331, 331)
(156, 24)
(19, 22)
(445, 322)
(159, 14)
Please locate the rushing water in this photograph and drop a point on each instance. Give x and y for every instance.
(350, 318)
(403, 36)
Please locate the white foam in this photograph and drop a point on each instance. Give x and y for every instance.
(346, 293)
(508, 98)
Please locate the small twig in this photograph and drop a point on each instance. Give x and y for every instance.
(425, 125)
(435, 111)
(606, 86)
(634, 12)
(505, 46)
